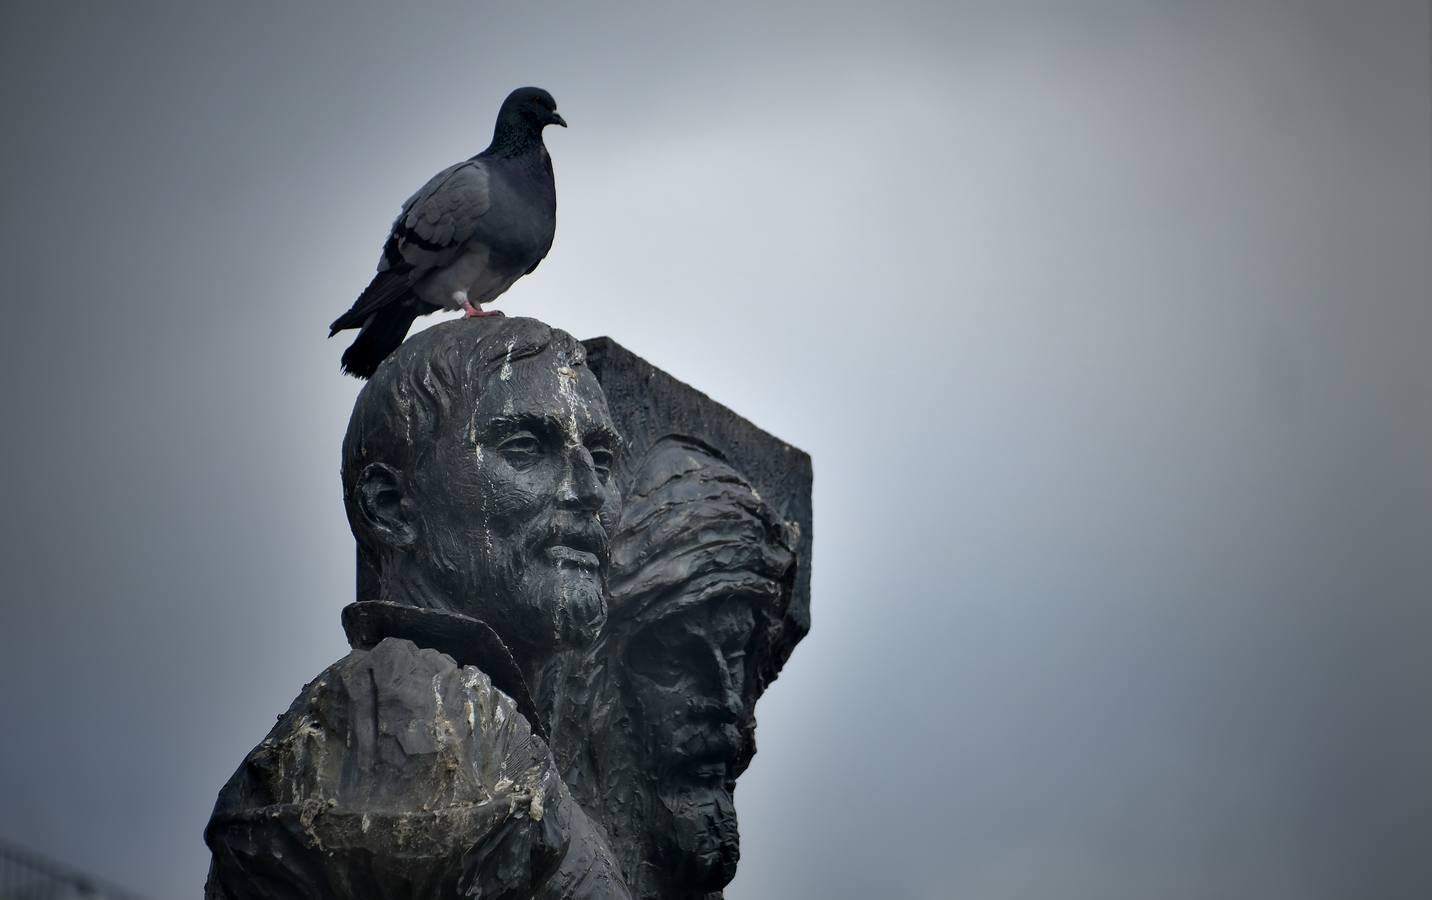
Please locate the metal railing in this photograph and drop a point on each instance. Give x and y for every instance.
(28, 876)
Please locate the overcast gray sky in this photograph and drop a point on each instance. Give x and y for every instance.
(1104, 326)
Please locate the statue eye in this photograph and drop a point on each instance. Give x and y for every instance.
(521, 449)
(663, 657)
(601, 460)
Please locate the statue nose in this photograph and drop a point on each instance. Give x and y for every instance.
(580, 487)
(730, 674)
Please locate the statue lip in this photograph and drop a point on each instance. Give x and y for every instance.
(706, 770)
(713, 774)
(580, 543)
(582, 559)
(576, 538)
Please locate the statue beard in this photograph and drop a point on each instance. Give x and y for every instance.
(695, 834)
(571, 601)
(529, 599)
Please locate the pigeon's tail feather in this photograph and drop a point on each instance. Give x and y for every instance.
(380, 335)
(386, 289)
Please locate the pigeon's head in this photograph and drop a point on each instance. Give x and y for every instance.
(531, 107)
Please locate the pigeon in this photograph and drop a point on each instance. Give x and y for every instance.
(464, 237)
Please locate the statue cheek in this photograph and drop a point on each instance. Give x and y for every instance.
(517, 496)
(611, 512)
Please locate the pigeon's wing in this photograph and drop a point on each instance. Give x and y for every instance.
(439, 219)
(428, 234)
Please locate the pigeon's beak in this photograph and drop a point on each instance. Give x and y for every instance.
(558, 120)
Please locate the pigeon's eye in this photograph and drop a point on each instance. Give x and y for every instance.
(521, 449)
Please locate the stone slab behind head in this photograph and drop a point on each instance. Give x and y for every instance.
(647, 404)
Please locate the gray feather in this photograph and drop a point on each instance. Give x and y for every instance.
(466, 235)
(443, 216)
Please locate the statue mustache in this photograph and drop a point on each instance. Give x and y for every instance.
(580, 531)
(709, 733)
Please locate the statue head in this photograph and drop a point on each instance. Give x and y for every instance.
(477, 480)
(702, 576)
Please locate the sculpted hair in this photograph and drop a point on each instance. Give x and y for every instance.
(400, 411)
(693, 529)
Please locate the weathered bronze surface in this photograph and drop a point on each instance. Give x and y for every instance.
(576, 576)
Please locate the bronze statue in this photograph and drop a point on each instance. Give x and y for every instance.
(477, 478)
(702, 580)
(549, 694)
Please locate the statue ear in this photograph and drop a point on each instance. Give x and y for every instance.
(380, 504)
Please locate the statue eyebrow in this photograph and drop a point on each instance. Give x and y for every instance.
(549, 424)
(607, 435)
(541, 422)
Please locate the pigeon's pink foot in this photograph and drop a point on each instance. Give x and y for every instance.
(477, 312)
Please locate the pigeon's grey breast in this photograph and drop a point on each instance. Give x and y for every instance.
(522, 220)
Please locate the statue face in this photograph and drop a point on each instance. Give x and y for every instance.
(689, 679)
(690, 675)
(701, 577)
(516, 501)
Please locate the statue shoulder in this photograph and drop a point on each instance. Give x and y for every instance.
(396, 742)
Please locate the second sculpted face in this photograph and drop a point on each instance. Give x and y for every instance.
(701, 578)
(689, 678)
(518, 501)
(690, 675)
